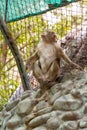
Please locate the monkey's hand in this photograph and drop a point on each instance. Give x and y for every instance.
(78, 67)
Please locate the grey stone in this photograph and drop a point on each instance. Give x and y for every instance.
(1, 118)
(82, 81)
(28, 118)
(53, 123)
(83, 129)
(37, 93)
(12, 105)
(85, 92)
(40, 128)
(44, 111)
(6, 129)
(21, 128)
(25, 107)
(6, 113)
(76, 93)
(41, 105)
(1, 121)
(13, 122)
(66, 102)
(69, 125)
(55, 97)
(55, 113)
(83, 122)
(39, 120)
(85, 108)
(65, 109)
(71, 116)
(67, 84)
(5, 119)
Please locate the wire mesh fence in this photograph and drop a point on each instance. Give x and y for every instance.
(26, 32)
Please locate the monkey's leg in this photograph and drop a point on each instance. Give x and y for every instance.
(53, 71)
(37, 72)
(51, 76)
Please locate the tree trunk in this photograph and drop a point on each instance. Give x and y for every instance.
(12, 45)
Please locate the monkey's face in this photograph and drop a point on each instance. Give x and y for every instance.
(49, 37)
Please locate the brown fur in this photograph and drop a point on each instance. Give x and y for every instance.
(45, 62)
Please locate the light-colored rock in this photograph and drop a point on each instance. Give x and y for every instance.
(55, 97)
(1, 118)
(67, 84)
(64, 109)
(13, 122)
(21, 128)
(5, 116)
(11, 105)
(41, 105)
(28, 118)
(55, 113)
(83, 129)
(71, 116)
(25, 107)
(85, 92)
(76, 93)
(69, 125)
(39, 120)
(6, 129)
(82, 81)
(83, 122)
(40, 128)
(53, 123)
(37, 93)
(6, 113)
(85, 108)
(66, 102)
(44, 111)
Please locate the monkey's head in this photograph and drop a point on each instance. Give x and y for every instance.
(49, 37)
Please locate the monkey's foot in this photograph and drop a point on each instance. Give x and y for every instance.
(47, 85)
(59, 79)
(43, 97)
(50, 83)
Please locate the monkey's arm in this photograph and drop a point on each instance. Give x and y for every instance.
(67, 59)
(31, 60)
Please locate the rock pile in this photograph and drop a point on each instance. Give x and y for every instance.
(63, 107)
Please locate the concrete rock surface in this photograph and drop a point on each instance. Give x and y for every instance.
(64, 107)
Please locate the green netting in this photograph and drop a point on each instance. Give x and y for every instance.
(12, 10)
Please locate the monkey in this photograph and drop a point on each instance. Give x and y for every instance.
(45, 62)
